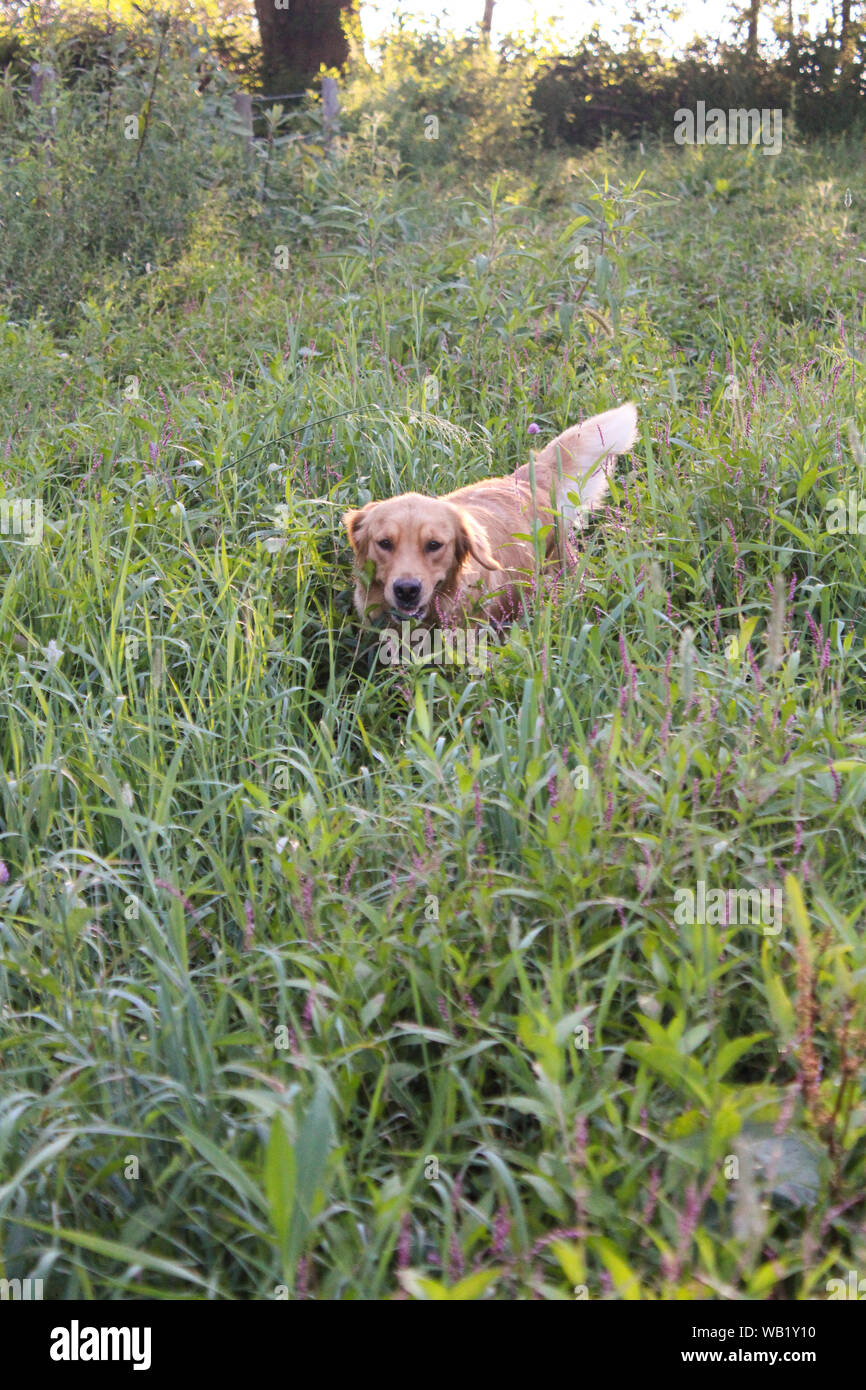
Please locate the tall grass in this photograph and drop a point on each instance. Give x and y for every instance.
(323, 979)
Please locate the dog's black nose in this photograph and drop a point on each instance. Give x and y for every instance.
(407, 592)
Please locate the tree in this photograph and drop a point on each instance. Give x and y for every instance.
(752, 13)
(298, 36)
(487, 21)
(847, 41)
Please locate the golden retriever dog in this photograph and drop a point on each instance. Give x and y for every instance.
(470, 554)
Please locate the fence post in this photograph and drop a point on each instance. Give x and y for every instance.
(42, 77)
(330, 108)
(244, 112)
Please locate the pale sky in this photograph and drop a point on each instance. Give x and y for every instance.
(706, 18)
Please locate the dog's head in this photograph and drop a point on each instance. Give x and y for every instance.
(409, 549)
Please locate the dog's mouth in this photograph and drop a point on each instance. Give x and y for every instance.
(413, 614)
(407, 615)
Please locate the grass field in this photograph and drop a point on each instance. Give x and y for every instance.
(322, 978)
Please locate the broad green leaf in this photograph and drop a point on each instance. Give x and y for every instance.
(421, 712)
(624, 1279)
(797, 906)
(731, 1052)
(280, 1180)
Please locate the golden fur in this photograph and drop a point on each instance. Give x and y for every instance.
(470, 553)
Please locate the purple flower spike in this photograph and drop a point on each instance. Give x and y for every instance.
(534, 429)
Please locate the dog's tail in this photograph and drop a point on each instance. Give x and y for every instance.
(571, 466)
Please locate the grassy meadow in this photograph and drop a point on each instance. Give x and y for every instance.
(322, 978)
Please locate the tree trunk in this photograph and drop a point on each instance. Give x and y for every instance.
(297, 37)
(752, 38)
(792, 40)
(847, 41)
(487, 21)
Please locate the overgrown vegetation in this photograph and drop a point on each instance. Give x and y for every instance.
(328, 979)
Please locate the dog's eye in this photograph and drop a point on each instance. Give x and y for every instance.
(386, 544)
(433, 545)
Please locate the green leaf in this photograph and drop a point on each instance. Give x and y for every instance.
(571, 1260)
(311, 1153)
(781, 1008)
(625, 1280)
(41, 1159)
(421, 1286)
(372, 1009)
(281, 1176)
(113, 1250)
(797, 906)
(684, 1073)
(731, 1052)
(226, 1167)
(421, 713)
(471, 1288)
(474, 1285)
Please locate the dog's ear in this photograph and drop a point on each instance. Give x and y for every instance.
(356, 528)
(471, 540)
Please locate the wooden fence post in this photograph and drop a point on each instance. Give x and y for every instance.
(244, 112)
(41, 78)
(330, 108)
(42, 92)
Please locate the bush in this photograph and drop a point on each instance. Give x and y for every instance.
(442, 98)
(110, 168)
(581, 98)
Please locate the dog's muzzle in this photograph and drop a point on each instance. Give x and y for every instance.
(407, 593)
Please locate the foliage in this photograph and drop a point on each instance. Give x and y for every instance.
(111, 167)
(441, 98)
(598, 90)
